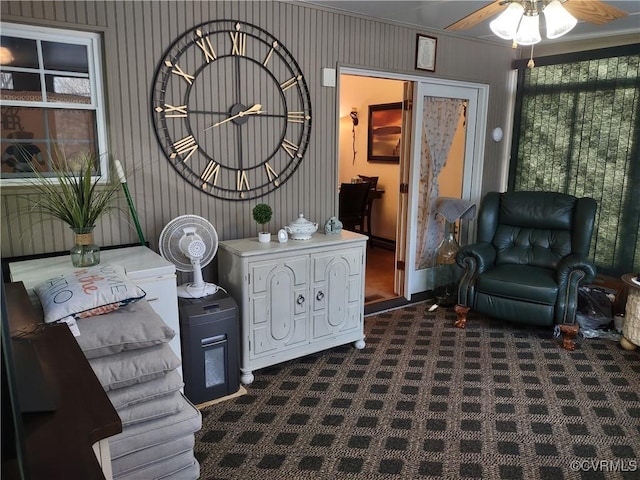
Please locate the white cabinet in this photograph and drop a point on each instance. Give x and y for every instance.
(295, 298)
(152, 273)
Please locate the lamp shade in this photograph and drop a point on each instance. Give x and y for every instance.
(558, 20)
(529, 30)
(506, 24)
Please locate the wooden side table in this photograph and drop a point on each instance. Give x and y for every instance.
(59, 444)
(631, 330)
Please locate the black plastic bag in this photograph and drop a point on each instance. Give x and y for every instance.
(595, 310)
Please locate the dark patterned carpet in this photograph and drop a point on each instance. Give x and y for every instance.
(427, 400)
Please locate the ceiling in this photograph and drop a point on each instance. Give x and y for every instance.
(438, 14)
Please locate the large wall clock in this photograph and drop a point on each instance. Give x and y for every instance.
(231, 109)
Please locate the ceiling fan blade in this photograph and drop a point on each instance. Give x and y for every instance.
(593, 11)
(478, 16)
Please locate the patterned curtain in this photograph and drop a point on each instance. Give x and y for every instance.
(440, 120)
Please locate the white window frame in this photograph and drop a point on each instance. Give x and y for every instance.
(92, 42)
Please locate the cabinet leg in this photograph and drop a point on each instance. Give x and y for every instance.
(359, 344)
(247, 377)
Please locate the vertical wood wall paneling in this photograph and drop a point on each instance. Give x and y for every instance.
(136, 35)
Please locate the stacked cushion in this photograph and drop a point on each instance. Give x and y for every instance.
(128, 349)
(131, 356)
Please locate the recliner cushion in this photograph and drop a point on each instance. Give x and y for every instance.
(519, 282)
(528, 246)
(540, 210)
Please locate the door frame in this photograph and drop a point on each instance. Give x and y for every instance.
(471, 187)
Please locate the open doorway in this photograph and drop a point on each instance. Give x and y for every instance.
(361, 98)
(357, 94)
(403, 171)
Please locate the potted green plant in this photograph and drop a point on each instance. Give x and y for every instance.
(262, 214)
(75, 195)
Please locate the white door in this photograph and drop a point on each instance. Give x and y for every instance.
(474, 97)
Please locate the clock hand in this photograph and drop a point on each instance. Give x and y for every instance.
(254, 110)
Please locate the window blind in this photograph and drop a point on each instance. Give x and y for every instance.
(577, 131)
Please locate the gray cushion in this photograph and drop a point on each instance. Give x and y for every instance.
(145, 391)
(134, 366)
(86, 292)
(190, 471)
(166, 468)
(131, 327)
(155, 432)
(151, 409)
(148, 456)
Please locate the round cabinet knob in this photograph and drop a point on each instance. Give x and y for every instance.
(282, 235)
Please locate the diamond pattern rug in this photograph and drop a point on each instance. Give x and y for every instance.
(427, 400)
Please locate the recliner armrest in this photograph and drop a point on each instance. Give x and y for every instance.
(573, 271)
(483, 253)
(571, 263)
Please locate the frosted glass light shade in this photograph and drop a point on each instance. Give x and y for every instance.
(558, 20)
(529, 30)
(506, 24)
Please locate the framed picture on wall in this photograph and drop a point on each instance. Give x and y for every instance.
(384, 132)
(426, 53)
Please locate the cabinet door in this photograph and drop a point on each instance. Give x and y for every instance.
(278, 302)
(337, 292)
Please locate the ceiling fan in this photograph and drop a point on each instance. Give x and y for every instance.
(592, 11)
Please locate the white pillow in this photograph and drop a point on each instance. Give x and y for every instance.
(86, 292)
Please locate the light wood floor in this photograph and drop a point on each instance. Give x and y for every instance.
(379, 275)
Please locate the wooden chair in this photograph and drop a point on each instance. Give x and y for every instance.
(374, 185)
(353, 200)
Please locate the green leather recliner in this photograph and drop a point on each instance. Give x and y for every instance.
(529, 259)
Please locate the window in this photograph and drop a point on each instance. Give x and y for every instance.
(51, 97)
(578, 132)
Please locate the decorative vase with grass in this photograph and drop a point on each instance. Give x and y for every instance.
(262, 214)
(75, 195)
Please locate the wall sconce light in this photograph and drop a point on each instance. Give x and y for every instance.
(354, 116)
(354, 119)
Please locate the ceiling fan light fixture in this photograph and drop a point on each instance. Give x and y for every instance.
(529, 30)
(506, 24)
(558, 20)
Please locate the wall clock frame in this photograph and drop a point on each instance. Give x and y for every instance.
(231, 109)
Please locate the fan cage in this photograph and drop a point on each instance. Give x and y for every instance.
(169, 243)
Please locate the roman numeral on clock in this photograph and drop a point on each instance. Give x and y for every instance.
(268, 57)
(242, 183)
(186, 145)
(211, 171)
(290, 83)
(171, 111)
(297, 117)
(290, 147)
(239, 40)
(271, 173)
(205, 45)
(178, 71)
